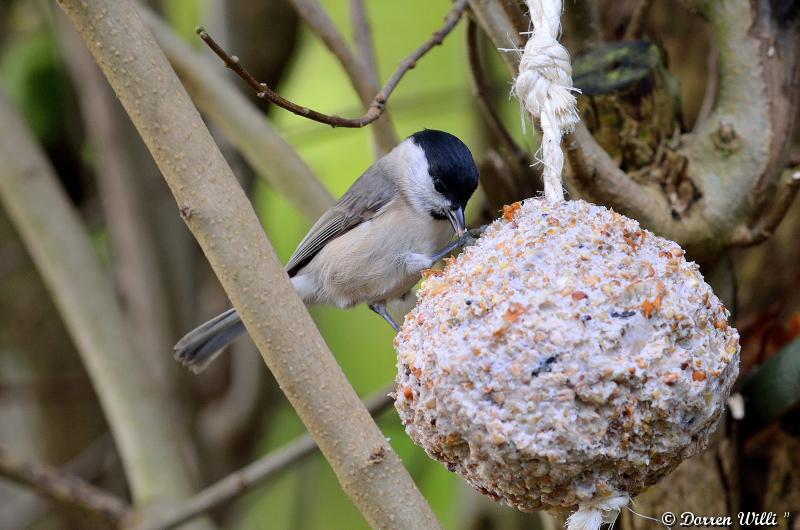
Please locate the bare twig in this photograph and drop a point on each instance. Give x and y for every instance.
(250, 476)
(62, 251)
(63, 487)
(359, 70)
(271, 156)
(222, 219)
(481, 90)
(94, 460)
(378, 105)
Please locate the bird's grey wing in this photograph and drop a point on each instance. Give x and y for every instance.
(371, 192)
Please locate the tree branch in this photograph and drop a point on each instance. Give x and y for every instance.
(364, 43)
(270, 155)
(268, 466)
(764, 226)
(134, 255)
(219, 215)
(361, 73)
(733, 160)
(481, 89)
(583, 28)
(63, 253)
(504, 23)
(64, 488)
(378, 105)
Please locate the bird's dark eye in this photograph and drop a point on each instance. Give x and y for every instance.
(439, 186)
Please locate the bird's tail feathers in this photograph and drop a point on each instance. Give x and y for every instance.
(198, 348)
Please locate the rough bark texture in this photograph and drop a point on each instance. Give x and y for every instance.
(734, 159)
(63, 253)
(219, 214)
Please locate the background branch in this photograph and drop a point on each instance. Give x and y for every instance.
(482, 90)
(267, 467)
(732, 179)
(64, 488)
(133, 251)
(362, 32)
(244, 124)
(582, 26)
(224, 223)
(360, 70)
(63, 253)
(378, 105)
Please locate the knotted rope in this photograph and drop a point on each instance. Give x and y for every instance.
(544, 87)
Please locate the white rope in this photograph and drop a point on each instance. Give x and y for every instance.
(544, 87)
(592, 514)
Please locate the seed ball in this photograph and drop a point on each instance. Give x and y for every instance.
(567, 357)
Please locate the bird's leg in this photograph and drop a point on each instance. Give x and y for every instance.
(448, 249)
(380, 308)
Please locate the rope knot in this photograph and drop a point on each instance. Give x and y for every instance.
(592, 514)
(544, 86)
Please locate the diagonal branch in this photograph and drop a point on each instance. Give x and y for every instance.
(134, 254)
(270, 155)
(364, 43)
(378, 105)
(360, 70)
(219, 215)
(64, 488)
(481, 90)
(63, 253)
(240, 482)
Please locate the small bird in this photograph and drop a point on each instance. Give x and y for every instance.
(371, 246)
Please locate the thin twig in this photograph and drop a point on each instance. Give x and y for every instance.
(378, 105)
(250, 476)
(63, 487)
(361, 73)
(93, 461)
(321, 24)
(481, 91)
(272, 157)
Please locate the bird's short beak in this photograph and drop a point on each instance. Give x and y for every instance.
(456, 218)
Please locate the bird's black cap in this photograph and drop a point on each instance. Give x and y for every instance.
(450, 165)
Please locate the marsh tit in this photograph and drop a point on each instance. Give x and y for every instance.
(372, 245)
